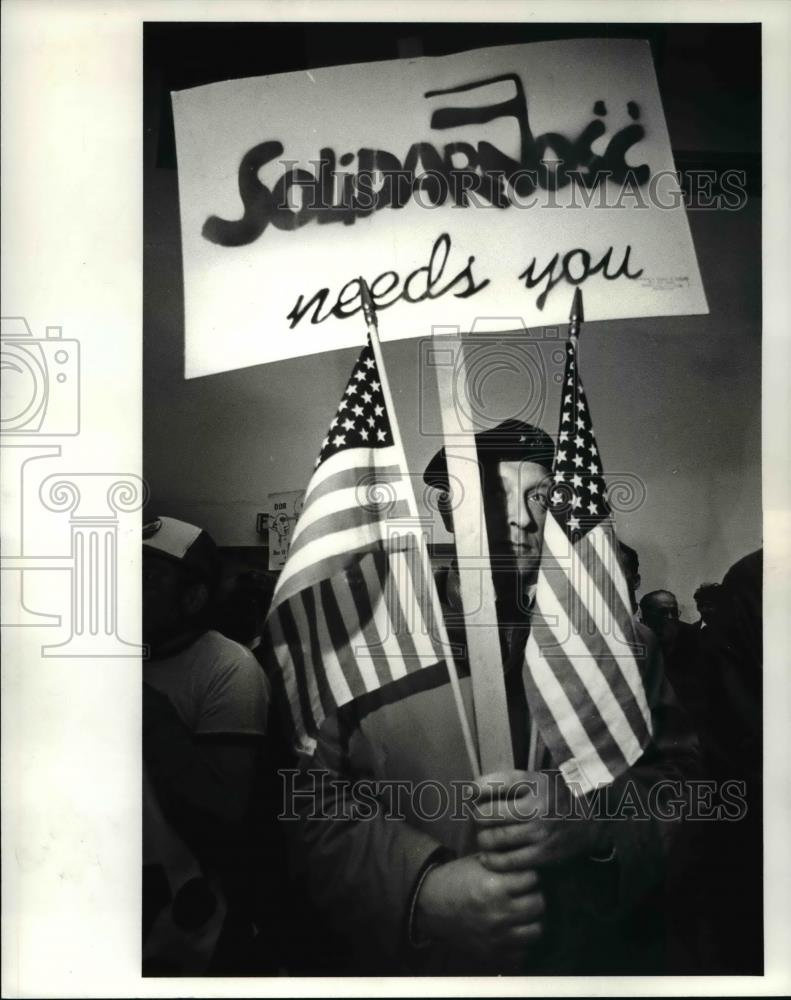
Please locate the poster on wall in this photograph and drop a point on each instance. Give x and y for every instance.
(480, 184)
(284, 509)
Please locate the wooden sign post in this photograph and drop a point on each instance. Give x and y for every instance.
(475, 577)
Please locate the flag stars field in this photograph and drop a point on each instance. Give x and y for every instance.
(365, 422)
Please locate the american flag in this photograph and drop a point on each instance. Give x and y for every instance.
(583, 682)
(355, 606)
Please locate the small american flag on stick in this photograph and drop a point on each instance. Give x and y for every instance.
(583, 682)
(355, 606)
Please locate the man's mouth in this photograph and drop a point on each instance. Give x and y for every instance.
(521, 549)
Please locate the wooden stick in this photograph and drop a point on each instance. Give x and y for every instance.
(532, 753)
(475, 578)
(373, 333)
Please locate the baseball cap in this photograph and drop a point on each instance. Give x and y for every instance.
(184, 544)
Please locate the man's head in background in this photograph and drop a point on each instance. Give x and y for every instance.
(630, 563)
(515, 464)
(706, 597)
(181, 569)
(659, 611)
(242, 606)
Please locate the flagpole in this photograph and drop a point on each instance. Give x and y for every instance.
(373, 333)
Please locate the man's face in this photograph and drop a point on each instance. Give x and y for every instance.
(706, 609)
(515, 500)
(660, 614)
(163, 598)
(631, 575)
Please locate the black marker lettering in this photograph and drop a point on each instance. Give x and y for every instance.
(428, 175)
(574, 268)
(347, 302)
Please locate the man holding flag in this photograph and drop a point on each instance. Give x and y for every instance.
(531, 875)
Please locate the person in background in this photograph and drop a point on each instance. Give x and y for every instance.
(688, 890)
(679, 644)
(705, 598)
(659, 611)
(630, 562)
(731, 660)
(205, 706)
(242, 606)
(735, 645)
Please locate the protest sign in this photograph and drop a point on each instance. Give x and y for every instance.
(474, 185)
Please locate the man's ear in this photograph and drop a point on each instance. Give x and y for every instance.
(444, 506)
(195, 599)
(637, 582)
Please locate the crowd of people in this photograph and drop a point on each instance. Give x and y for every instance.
(231, 887)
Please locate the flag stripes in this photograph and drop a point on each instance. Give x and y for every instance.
(599, 716)
(354, 675)
(373, 639)
(349, 620)
(350, 635)
(345, 512)
(603, 624)
(332, 512)
(588, 694)
(324, 647)
(288, 654)
(582, 679)
(599, 561)
(560, 727)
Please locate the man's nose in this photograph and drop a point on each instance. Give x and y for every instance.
(520, 516)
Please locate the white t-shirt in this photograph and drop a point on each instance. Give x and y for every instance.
(215, 685)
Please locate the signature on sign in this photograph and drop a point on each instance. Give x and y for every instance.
(666, 284)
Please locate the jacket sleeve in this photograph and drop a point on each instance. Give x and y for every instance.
(646, 802)
(359, 861)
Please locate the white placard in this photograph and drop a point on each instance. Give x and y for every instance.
(289, 185)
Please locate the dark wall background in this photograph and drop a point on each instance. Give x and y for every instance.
(676, 401)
